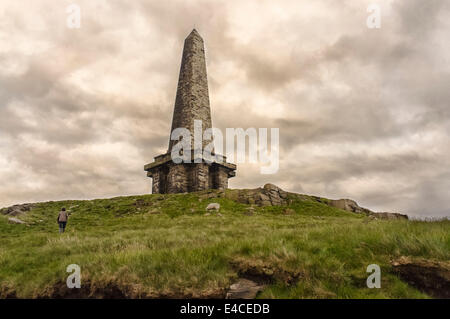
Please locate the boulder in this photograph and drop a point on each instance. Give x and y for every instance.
(351, 206)
(14, 220)
(348, 205)
(244, 289)
(213, 206)
(276, 195)
(269, 195)
(17, 210)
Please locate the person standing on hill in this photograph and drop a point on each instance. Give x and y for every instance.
(62, 220)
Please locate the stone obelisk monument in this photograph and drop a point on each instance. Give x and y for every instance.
(191, 103)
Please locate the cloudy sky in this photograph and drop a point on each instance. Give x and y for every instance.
(363, 113)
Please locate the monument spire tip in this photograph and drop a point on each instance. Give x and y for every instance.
(194, 33)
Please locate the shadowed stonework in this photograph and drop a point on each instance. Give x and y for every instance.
(192, 103)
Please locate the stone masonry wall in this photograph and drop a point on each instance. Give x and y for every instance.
(156, 182)
(177, 179)
(192, 99)
(221, 178)
(201, 180)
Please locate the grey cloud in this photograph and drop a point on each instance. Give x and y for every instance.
(420, 18)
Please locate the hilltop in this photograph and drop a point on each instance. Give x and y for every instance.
(262, 242)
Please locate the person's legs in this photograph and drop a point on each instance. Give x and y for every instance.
(64, 226)
(60, 228)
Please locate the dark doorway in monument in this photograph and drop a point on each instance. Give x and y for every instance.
(213, 180)
(192, 177)
(163, 179)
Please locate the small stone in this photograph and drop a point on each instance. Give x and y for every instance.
(213, 206)
(244, 289)
(207, 214)
(14, 220)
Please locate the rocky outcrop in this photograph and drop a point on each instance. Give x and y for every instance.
(348, 205)
(269, 195)
(351, 206)
(429, 276)
(17, 210)
(272, 195)
(389, 215)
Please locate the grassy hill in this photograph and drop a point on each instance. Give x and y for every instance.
(165, 246)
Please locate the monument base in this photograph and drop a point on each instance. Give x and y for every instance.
(169, 177)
